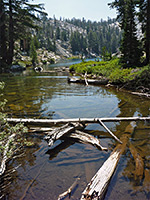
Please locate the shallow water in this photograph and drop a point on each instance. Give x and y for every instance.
(44, 173)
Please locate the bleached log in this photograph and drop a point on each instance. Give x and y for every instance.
(86, 138)
(96, 188)
(115, 137)
(49, 122)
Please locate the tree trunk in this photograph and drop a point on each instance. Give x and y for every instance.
(11, 34)
(148, 33)
(3, 47)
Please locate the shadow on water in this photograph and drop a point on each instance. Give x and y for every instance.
(47, 172)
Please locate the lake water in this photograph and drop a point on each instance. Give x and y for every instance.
(44, 172)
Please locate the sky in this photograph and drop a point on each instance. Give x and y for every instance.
(93, 10)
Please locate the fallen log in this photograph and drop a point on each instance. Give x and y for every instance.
(31, 182)
(97, 187)
(48, 122)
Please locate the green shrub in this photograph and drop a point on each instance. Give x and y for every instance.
(113, 71)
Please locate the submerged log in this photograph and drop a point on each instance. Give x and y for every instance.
(49, 122)
(139, 163)
(99, 183)
(97, 187)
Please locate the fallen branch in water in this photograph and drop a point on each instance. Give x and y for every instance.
(68, 192)
(31, 182)
(102, 124)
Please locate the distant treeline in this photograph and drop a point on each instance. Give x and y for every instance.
(83, 36)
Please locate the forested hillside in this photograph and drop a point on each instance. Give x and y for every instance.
(78, 36)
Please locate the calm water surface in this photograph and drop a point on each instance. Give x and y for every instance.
(44, 172)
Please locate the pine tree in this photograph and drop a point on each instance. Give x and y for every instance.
(93, 42)
(3, 47)
(33, 53)
(57, 34)
(130, 49)
(18, 18)
(144, 18)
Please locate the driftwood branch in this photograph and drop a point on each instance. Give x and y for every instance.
(58, 133)
(5, 154)
(49, 122)
(141, 94)
(86, 82)
(102, 124)
(86, 138)
(61, 131)
(68, 192)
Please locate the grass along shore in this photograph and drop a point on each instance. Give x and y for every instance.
(135, 78)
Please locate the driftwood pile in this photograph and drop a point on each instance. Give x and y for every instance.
(74, 128)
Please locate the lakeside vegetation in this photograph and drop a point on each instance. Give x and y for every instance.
(131, 78)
